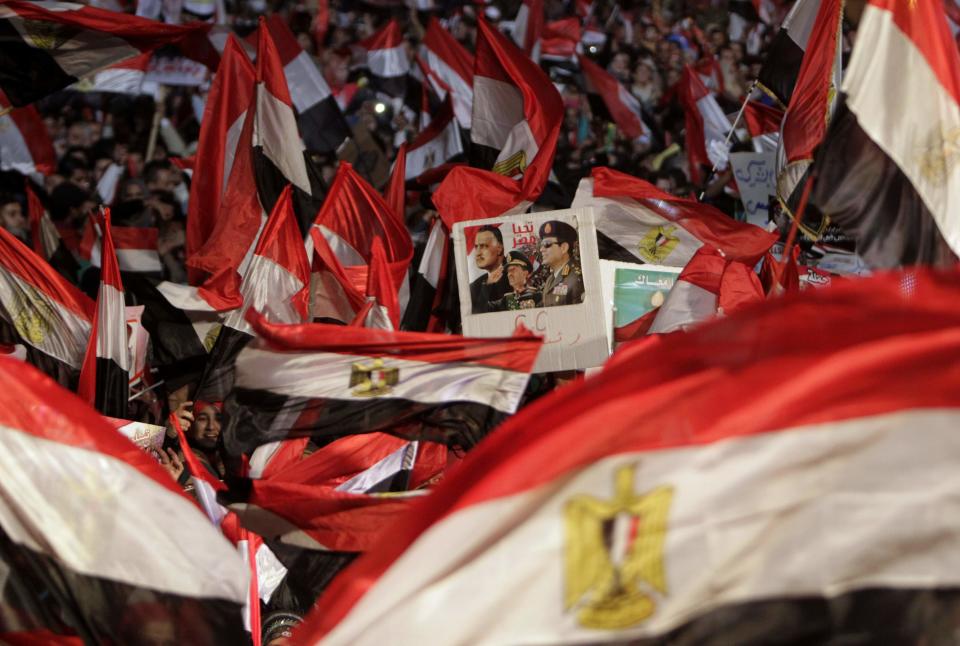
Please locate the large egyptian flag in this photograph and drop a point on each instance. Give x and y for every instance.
(321, 123)
(105, 375)
(886, 172)
(661, 505)
(450, 62)
(385, 54)
(329, 381)
(623, 107)
(42, 310)
(50, 45)
(637, 222)
(778, 76)
(276, 283)
(25, 145)
(811, 107)
(84, 516)
(228, 102)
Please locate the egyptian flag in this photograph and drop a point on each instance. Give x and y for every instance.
(706, 125)
(437, 144)
(427, 287)
(334, 298)
(82, 548)
(42, 310)
(321, 123)
(50, 45)
(885, 172)
(453, 64)
(25, 145)
(623, 106)
(639, 223)
(276, 283)
(808, 114)
(663, 506)
(709, 285)
(763, 124)
(125, 77)
(105, 375)
(528, 28)
(561, 42)
(228, 103)
(385, 55)
(780, 70)
(46, 239)
(330, 381)
(135, 247)
(353, 216)
(382, 290)
(517, 111)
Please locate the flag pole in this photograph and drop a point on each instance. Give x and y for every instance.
(145, 390)
(792, 236)
(157, 118)
(726, 142)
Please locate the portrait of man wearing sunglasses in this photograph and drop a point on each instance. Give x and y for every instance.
(564, 284)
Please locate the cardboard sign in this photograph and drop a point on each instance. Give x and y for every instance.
(756, 177)
(147, 436)
(539, 270)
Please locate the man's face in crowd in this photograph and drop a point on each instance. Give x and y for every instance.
(517, 277)
(164, 181)
(489, 251)
(553, 252)
(206, 427)
(12, 218)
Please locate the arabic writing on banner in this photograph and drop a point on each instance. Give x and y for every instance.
(756, 177)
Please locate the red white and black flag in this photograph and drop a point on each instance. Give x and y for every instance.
(528, 28)
(707, 125)
(780, 70)
(321, 123)
(660, 505)
(329, 381)
(136, 248)
(25, 145)
(886, 172)
(105, 375)
(84, 516)
(42, 310)
(46, 239)
(637, 222)
(228, 102)
(49, 45)
(385, 55)
(452, 64)
(276, 282)
(440, 142)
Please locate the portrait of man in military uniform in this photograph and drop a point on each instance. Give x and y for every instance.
(521, 295)
(564, 283)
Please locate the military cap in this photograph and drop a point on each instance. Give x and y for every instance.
(562, 231)
(517, 259)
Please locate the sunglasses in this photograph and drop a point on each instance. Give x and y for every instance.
(547, 245)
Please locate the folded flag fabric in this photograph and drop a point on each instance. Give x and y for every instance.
(25, 145)
(49, 45)
(83, 514)
(450, 62)
(637, 222)
(331, 381)
(661, 504)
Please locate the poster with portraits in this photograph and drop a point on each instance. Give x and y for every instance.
(539, 270)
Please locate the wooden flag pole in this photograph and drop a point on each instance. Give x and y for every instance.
(161, 98)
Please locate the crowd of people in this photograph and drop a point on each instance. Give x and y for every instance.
(644, 45)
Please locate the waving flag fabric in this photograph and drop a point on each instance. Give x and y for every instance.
(25, 145)
(623, 106)
(331, 381)
(663, 505)
(385, 55)
(82, 510)
(452, 64)
(886, 172)
(49, 45)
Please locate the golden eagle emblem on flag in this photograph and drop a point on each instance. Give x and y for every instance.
(47, 35)
(613, 559)
(658, 244)
(513, 165)
(32, 316)
(372, 379)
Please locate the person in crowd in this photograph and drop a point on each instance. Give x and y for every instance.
(12, 218)
(521, 295)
